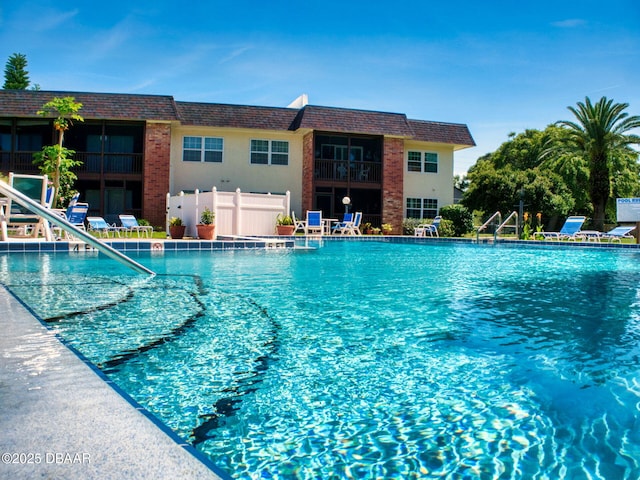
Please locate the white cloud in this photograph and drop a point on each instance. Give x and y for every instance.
(569, 23)
(51, 20)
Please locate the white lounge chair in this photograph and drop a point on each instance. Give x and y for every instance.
(102, 228)
(340, 227)
(428, 228)
(131, 225)
(352, 227)
(618, 233)
(569, 231)
(298, 224)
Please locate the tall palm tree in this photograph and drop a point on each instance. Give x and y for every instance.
(599, 131)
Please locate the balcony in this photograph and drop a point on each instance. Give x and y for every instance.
(125, 163)
(348, 172)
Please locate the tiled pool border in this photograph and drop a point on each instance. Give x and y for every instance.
(158, 246)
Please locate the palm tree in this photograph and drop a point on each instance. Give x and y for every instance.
(600, 130)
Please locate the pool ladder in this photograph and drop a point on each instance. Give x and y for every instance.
(496, 221)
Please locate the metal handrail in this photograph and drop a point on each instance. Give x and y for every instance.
(487, 223)
(513, 214)
(56, 219)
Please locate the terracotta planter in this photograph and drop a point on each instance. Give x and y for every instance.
(177, 231)
(206, 232)
(285, 229)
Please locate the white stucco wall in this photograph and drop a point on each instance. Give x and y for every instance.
(430, 185)
(236, 171)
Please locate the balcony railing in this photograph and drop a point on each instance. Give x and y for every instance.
(91, 162)
(344, 171)
(109, 162)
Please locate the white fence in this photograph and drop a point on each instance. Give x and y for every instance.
(236, 213)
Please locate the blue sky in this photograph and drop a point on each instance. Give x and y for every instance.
(497, 66)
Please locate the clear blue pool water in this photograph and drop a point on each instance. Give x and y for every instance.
(368, 360)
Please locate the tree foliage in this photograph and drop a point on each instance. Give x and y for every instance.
(600, 136)
(516, 172)
(551, 175)
(16, 76)
(56, 160)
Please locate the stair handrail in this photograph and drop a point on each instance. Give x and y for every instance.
(487, 223)
(504, 224)
(56, 219)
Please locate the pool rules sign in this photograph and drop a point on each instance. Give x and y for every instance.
(628, 210)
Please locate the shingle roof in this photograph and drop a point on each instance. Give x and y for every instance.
(236, 116)
(117, 106)
(114, 106)
(453, 133)
(353, 121)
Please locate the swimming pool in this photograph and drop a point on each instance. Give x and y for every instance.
(367, 359)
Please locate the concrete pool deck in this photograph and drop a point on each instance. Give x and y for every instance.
(61, 419)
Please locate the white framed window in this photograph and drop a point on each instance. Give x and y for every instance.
(422, 207)
(424, 162)
(202, 149)
(269, 152)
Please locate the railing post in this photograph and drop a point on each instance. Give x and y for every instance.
(288, 204)
(197, 194)
(237, 213)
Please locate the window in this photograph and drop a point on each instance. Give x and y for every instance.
(422, 207)
(426, 162)
(415, 161)
(202, 149)
(269, 152)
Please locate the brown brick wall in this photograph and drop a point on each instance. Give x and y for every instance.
(307, 174)
(157, 160)
(393, 183)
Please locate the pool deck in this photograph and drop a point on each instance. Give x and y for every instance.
(62, 419)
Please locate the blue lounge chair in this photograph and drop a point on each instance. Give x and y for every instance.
(102, 228)
(350, 227)
(569, 231)
(618, 233)
(341, 227)
(130, 225)
(428, 228)
(314, 223)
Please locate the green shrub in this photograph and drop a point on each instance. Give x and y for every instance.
(461, 219)
(444, 230)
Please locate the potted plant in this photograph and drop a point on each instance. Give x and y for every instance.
(375, 231)
(284, 225)
(366, 228)
(176, 228)
(206, 228)
(387, 228)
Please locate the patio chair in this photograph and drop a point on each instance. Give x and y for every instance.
(21, 218)
(76, 213)
(314, 223)
(428, 228)
(618, 233)
(298, 224)
(569, 231)
(102, 228)
(340, 227)
(130, 224)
